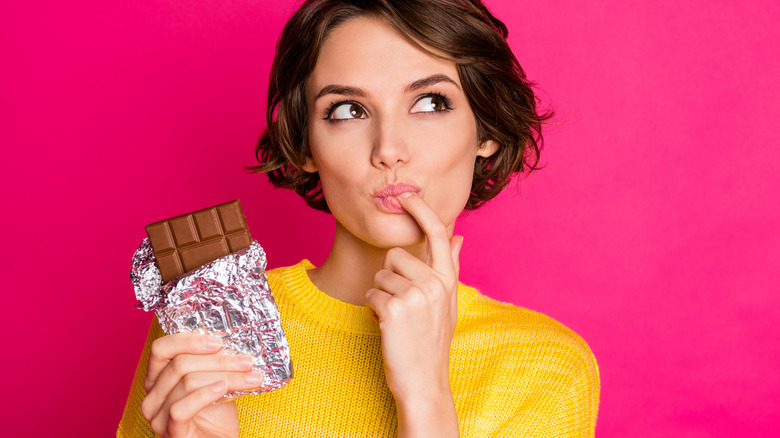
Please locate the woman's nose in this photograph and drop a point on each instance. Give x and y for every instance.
(390, 148)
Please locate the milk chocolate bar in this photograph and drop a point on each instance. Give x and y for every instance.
(191, 240)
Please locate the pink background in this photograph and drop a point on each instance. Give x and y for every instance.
(652, 232)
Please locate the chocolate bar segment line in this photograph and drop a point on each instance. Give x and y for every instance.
(188, 241)
(208, 224)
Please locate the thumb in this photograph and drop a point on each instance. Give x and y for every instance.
(456, 243)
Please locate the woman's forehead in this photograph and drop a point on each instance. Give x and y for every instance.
(369, 53)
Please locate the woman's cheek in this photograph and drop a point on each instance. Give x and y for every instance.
(453, 191)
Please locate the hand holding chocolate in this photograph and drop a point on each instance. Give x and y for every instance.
(202, 272)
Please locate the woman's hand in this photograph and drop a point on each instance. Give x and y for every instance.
(185, 376)
(416, 306)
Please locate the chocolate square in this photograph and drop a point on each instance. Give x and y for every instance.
(189, 241)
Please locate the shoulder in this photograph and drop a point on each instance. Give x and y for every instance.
(279, 274)
(285, 278)
(537, 371)
(523, 334)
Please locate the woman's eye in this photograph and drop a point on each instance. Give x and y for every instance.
(430, 104)
(347, 111)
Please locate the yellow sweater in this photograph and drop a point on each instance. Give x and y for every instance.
(513, 372)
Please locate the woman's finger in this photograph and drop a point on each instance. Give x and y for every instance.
(185, 409)
(434, 229)
(185, 364)
(236, 381)
(456, 244)
(190, 395)
(401, 262)
(376, 300)
(391, 282)
(176, 420)
(166, 348)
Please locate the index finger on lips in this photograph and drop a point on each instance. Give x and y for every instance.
(434, 229)
(166, 348)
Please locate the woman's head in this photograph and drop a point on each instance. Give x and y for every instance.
(462, 31)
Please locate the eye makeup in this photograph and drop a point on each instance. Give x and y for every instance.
(441, 97)
(328, 115)
(332, 107)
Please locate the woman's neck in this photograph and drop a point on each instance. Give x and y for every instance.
(349, 270)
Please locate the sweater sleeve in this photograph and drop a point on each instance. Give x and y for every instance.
(583, 399)
(133, 423)
(568, 414)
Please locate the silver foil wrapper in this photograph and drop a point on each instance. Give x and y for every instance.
(229, 298)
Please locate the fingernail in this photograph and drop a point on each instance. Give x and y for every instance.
(245, 361)
(219, 386)
(212, 342)
(406, 194)
(254, 378)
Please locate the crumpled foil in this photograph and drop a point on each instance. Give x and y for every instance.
(229, 298)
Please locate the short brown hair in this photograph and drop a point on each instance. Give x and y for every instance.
(500, 95)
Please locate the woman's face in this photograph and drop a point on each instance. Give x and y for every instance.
(384, 118)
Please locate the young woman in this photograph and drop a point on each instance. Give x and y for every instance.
(394, 116)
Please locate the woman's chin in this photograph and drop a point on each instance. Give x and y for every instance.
(395, 231)
(398, 233)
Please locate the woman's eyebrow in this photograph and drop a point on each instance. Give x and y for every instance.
(344, 90)
(341, 90)
(430, 80)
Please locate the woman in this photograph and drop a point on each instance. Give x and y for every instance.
(393, 116)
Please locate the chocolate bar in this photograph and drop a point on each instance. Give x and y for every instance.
(191, 240)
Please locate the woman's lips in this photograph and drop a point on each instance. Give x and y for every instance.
(387, 197)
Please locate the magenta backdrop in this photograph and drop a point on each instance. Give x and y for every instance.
(652, 231)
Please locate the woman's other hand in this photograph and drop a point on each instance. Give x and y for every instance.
(185, 376)
(416, 306)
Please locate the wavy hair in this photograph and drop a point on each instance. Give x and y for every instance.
(498, 91)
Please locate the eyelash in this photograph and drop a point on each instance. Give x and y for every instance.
(445, 100)
(332, 107)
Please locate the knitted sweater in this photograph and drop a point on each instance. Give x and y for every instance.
(513, 372)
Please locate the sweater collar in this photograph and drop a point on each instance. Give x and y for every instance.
(340, 314)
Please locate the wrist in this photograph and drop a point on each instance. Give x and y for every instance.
(427, 412)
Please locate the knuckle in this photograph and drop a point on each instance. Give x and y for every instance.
(370, 296)
(176, 365)
(413, 292)
(394, 253)
(157, 348)
(416, 300)
(228, 362)
(188, 383)
(380, 274)
(146, 409)
(176, 413)
(394, 308)
(436, 288)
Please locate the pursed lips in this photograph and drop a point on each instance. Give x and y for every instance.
(387, 197)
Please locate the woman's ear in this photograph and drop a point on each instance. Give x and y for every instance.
(487, 148)
(309, 165)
